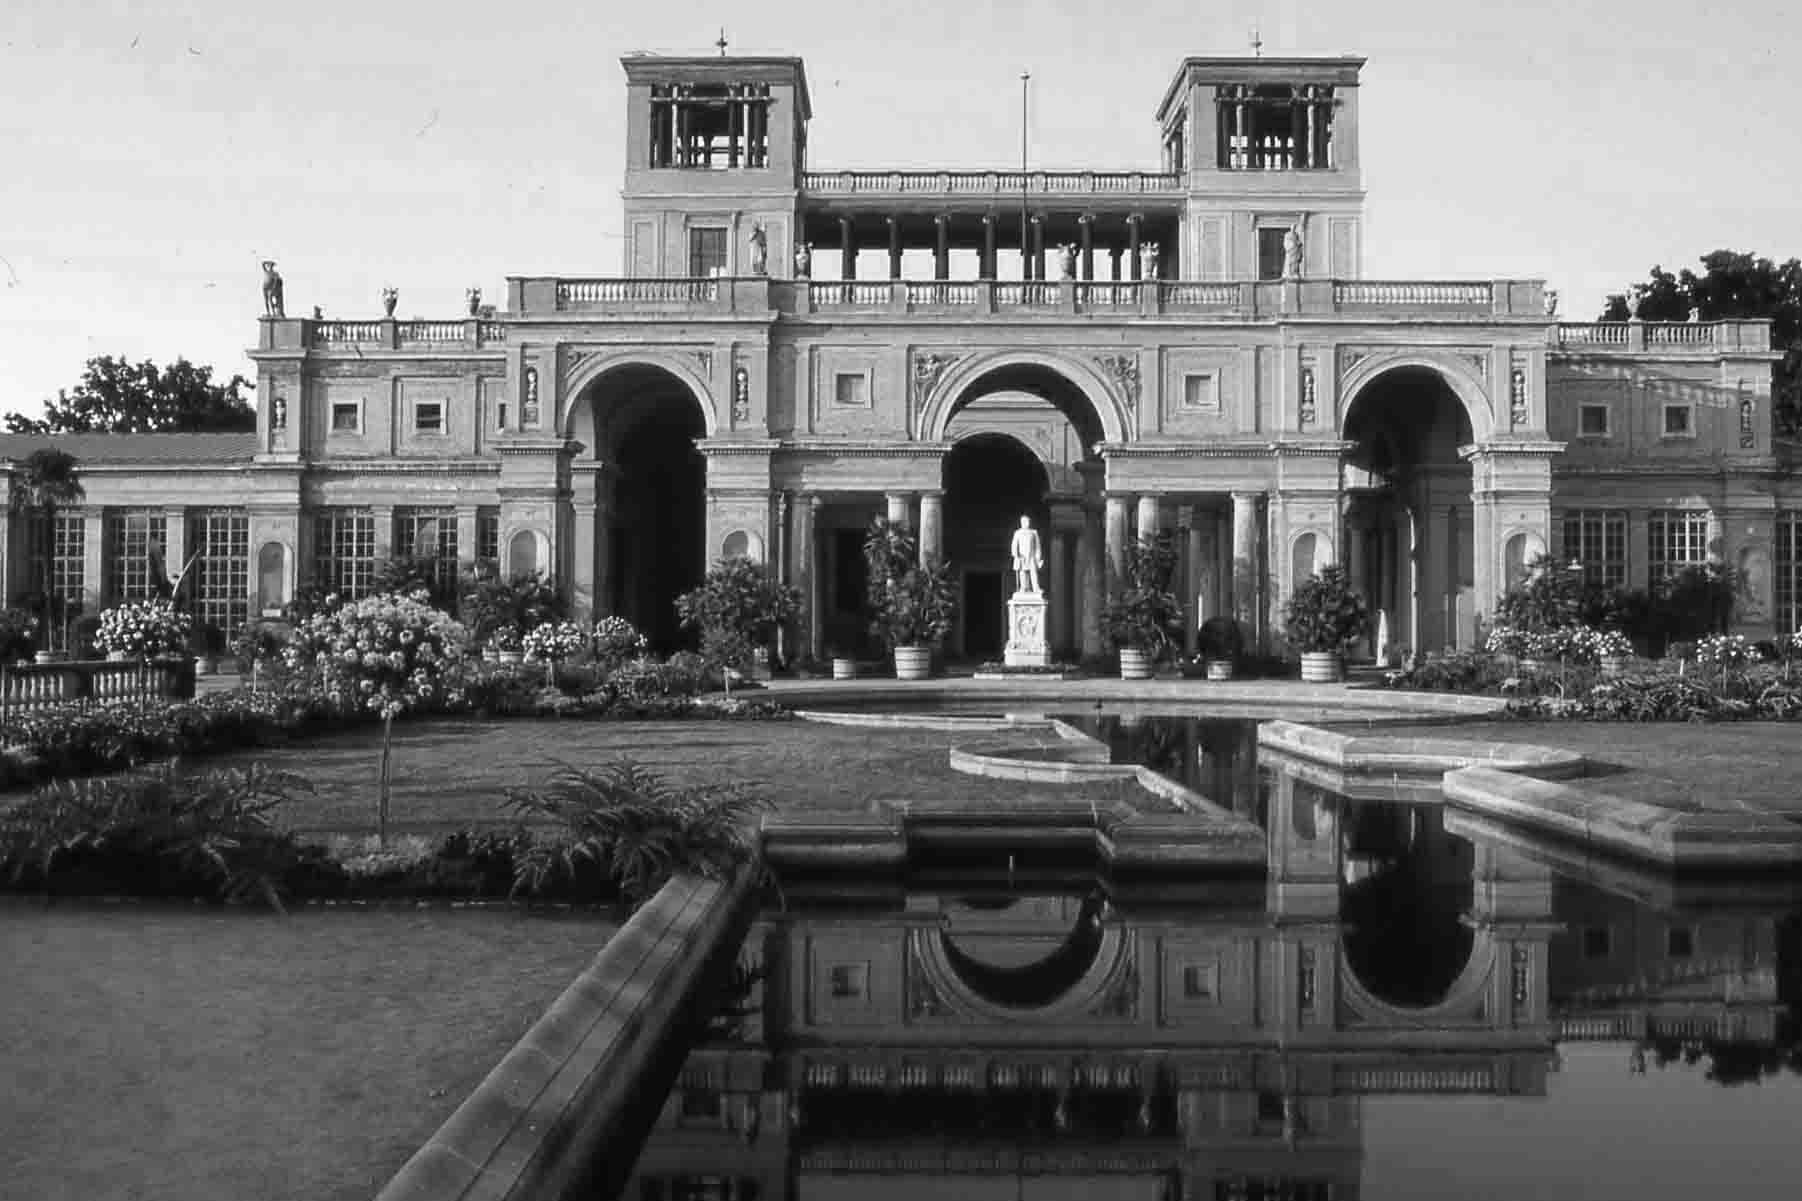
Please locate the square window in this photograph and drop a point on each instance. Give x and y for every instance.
(428, 417)
(850, 980)
(1592, 421)
(1199, 393)
(1597, 942)
(1676, 421)
(347, 417)
(851, 389)
(1201, 981)
(1680, 942)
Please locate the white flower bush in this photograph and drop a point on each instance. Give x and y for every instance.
(1610, 644)
(555, 641)
(144, 630)
(617, 640)
(1506, 640)
(382, 654)
(1726, 650)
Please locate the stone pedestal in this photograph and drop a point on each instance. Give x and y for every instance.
(1026, 643)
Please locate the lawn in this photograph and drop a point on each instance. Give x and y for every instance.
(454, 773)
(1713, 765)
(216, 1056)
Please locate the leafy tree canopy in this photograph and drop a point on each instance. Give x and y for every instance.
(1735, 284)
(118, 397)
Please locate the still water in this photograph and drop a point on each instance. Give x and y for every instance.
(1410, 1005)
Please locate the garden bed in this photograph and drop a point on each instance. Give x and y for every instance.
(205, 1055)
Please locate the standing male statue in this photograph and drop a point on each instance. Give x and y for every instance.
(803, 261)
(1027, 557)
(272, 290)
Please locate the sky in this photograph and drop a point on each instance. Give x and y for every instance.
(156, 150)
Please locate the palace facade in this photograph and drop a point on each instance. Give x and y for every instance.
(792, 349)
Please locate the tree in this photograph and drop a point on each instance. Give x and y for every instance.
(1735, 285)
(117, 397)
(738, 609)
(48, 479)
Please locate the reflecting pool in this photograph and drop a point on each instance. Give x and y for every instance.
(1410, 1004)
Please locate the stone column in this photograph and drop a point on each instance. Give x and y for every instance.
(94, 584)
(1091, 574)
(806, 569)
(175, 548)
(847, 240)
(932, 528)
(384, 535)
(1061, 599)
(585, 597)
(1113, 255)
(1116, 541)
(1038, 247)
(1192, 573)
(1085, 225)
(987, 268)
(1148, 516)
(1132, 244)
(900, 505)
(1246, 588)
(941, 251)
(894, 247)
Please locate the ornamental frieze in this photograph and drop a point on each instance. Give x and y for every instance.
(928, 368)
(1123, 369)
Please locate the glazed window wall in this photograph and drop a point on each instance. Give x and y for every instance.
(344, 551)
(1679, 539)
(1598, 541)
(136, 539)
(220, 541)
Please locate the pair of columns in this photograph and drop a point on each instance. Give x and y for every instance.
(1247, 546)
(930, 525)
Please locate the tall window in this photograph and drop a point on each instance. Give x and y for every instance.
(430, 533)
(68, 565)
(1598, 540)
(1270, 253)
(1789, 572)
(344, 551)
(488, 539)
(219, 542)
(710, 126)
(706, 253)
(1679, 539)
(135, 544)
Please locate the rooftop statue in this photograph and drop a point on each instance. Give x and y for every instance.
(272, 290)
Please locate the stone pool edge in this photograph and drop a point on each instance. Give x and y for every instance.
(1522, 784)
(537, 1123)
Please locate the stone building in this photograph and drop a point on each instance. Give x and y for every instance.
(792, 349)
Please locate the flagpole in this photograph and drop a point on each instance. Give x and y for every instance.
(1025, 242)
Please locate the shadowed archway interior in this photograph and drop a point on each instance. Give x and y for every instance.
(1408, 890)
(991, 481)
(644, 422)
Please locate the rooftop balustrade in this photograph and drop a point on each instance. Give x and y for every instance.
(1662, 337)
(318, 333)
(990, 183)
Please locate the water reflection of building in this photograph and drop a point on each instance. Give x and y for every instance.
(1133, 1045)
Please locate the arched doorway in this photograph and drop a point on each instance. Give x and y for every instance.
(1410, 537)
(991, 481)
(1023, 433)
(642, 422)
(1409, 888)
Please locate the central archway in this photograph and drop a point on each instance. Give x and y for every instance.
(991, 481)
(642, 422)
(1411, 536)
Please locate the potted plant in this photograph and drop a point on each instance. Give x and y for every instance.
(1320, 618)
(739, 610)
(508, 644)
(844, 666)
(208, 645)
(1615, 650)
(1222, 642)
(912, 607)
(1143, 618)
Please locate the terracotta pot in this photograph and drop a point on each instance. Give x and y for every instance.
(844, 669)
(115, 656)
(513, 656)
(913, 662)
(1322, 667)
(1134, 664)
(1220, 669)
(1616, 665)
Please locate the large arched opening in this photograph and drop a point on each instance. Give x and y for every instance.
(1021, 434)
(1410, 526)
(1407, 895)
(642, 422)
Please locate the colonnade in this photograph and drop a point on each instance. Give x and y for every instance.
(1123, 252)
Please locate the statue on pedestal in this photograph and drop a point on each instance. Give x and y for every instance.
(1028, 557)
(1066, 260)
(760, 250)
(803, 261)
(1551, 302)
(1292, 253)
(278, 414)
(272, 290)
(390, 298)
(1148, 261)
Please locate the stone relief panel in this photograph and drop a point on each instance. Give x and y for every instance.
(1755, 579)
(848, 391)
(1200, 386)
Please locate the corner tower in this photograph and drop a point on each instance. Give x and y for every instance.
(1263, 144)
(715, 147)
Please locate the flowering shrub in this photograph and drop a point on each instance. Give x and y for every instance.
(616, 640)
(554, 642)
(1611, 644)
(506, 638)
(1507, 640)
(382, 654)
(143, 630)
(1571, 644)
(1726, 650)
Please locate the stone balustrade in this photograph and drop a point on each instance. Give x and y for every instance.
(296, 333)
(30, 686)
(991, 183)
(1671, 337)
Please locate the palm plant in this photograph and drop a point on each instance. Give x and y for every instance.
(48, 479)
(635, 826)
